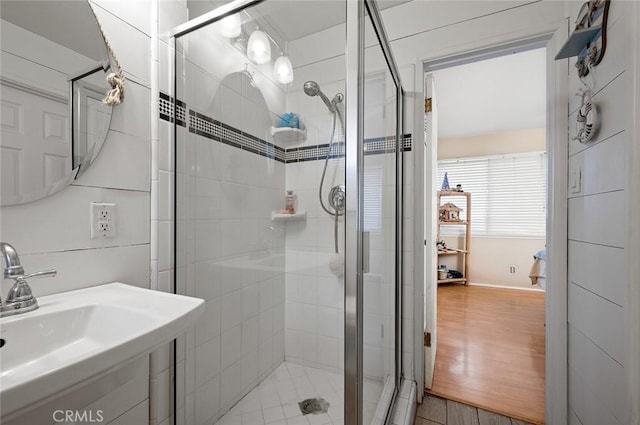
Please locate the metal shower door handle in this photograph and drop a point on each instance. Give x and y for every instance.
(365, 252)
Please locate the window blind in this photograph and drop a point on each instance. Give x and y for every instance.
(508, 193)
(372, 201)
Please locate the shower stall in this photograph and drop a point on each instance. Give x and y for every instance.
(303, 300)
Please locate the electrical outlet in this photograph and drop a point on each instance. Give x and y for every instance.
(103, 220)
(512, 269)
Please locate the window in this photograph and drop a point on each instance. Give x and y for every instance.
(372, 198)
(508, 193)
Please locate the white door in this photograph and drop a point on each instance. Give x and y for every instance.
(35, 143)
(430, 253)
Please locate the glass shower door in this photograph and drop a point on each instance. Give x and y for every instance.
(374, 228)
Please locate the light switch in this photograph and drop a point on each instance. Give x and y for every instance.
(575, 180)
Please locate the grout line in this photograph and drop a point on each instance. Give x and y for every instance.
(594, 343)
(596, 143)
(589, 195)
(595, 293)
(464, 21)
(596, 243)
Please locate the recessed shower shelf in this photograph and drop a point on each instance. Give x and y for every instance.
(299, 216)
(288, 134)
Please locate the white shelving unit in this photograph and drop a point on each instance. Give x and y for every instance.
(464, 250)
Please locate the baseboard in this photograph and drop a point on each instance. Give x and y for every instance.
(517, 288)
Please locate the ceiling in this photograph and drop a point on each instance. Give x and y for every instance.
(502, 94)
(292, 19)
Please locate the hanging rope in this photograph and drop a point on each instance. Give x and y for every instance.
(116, 80)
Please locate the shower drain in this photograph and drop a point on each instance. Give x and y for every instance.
(314, 406)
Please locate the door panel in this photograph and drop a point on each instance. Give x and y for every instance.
(43, 141)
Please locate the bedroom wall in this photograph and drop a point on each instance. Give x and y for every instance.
(529, 140)
(597, 243)
(491, 258)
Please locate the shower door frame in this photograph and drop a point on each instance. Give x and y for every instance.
(354, 212)
(354, 178)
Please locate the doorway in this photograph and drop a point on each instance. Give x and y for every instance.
(489, 117)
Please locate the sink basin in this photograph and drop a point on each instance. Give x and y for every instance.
(77, 335)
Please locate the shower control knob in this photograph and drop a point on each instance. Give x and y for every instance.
(337, 198)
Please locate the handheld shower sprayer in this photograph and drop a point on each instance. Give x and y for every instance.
(311, 88)
(337, 194)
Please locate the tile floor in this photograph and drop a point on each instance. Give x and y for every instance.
(438, 411)
(275, 400)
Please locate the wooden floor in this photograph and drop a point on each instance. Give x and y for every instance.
(490, 351)
(438, 411)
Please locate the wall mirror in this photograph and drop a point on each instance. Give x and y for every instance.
(54, 63)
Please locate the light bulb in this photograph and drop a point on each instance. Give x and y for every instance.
(230, 27)
(282, 70)
(258, 48)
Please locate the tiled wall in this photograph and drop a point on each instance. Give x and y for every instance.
(597, 244)
(315, 296)
(230, 253)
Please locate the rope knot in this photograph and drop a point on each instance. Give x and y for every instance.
(115, 95)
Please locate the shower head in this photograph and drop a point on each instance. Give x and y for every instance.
(311, 88)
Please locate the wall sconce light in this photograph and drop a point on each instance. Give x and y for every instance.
(259, 48)
(231, 26)
(282, 70)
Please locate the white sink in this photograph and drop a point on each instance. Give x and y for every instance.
(77, 335)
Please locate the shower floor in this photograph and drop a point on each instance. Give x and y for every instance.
(275, 400)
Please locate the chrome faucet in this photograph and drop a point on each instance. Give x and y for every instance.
(20, 299)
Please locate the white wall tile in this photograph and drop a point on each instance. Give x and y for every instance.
(123, 163)
(265, 357)
(592, 220)
(600, 320)
(207, 401)
(207, 360)
(600, 373)
(231, 310)
(250, 301)
(208, 325)
(590, 267)
(230, 384)
(249, 335)
(172, 13)
(133, 12)
(132, 215)
(89, 267)
(231, 346)
(249, 374)
(122, 36)
(586, 405)
(36, 227)
(328, 351)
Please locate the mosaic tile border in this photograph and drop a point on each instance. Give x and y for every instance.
(210, 128)
(166, 110)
